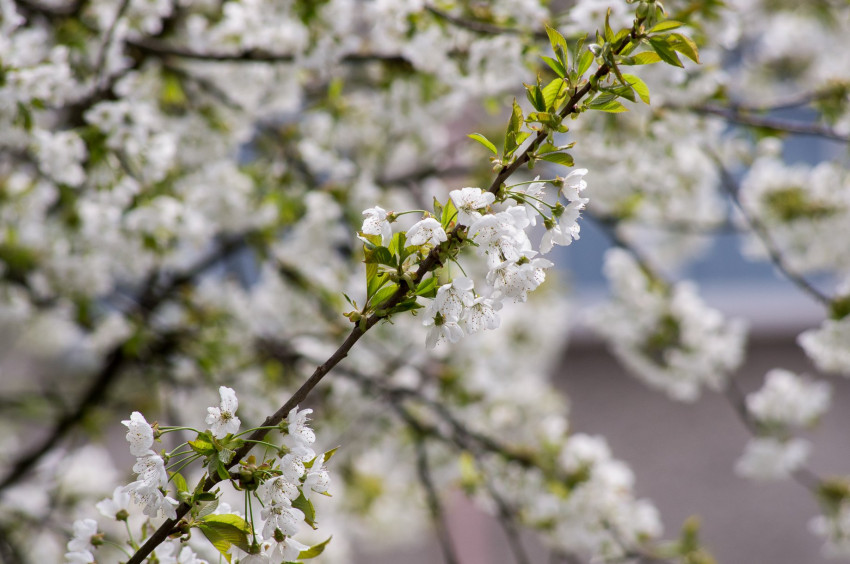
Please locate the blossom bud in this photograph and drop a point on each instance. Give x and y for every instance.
(558, 211)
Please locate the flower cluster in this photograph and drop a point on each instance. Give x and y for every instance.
(285, 485)
(786, 403)
(147, 490)
(666, 335)
(500, 235)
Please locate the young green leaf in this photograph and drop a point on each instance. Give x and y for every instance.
(639, 86)
(179, 482)
(306, 506)
(535, 96)
(512, 140)
(554, 92)
(383, 295)
(484, 141)
(665, 51)
(607, 103)
(564, 159)
(584, 62)
(559, 47)
(314, 550)
(666, 25)
(684, 45)
(555, 66)
(646, 58)
(224, 531)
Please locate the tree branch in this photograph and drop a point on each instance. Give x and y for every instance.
(731, 187)
(434, 505)
(742, 117)
(163, 49)
(150, 298)
(480, 27)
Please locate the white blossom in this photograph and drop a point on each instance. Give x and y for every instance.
(468, 201)
(222, 420)
(790, 400)
(81, 547)
(829, 345)
(768, 458)
(139, 434)
(426, 232)
(118, 503)
(376, 223)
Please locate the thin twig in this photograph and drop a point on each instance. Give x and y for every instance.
(773, 124)
(773, 251)
(434, 505)
(107, 42)
(480, 27)
(163, 49)
(506, 518)
(150, 298)
(738, 401)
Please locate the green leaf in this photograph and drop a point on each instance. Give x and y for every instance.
(397, 243)
(202, 446)
(407, 305)
(224, 531)
(514, 125)
(609, 33)
(427, 288)
(372, 281)
(666, 25)
(179, 482)
(607, 103)
(561, 50)
(559, 158)
(555, 66)
(554, 92)
(621, 90)
(684, 45)
(484, 141)
(208, 508)
(382, 255)
(639, 86)
(559, 44)
(646, 58)
(215, 466)
(314, 550)
(449, 214)
(535, 96)
(306, 506)
(329, 454)
(665, 51)
(584, 62)
(438, 207)
(225, 455)
(383, 295)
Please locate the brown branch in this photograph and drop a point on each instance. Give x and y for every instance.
(434, 505)
(741, 117)
(273, 420)
(149, 300)
(163, 49)
(428, 264)
(760, 229)
(480, 27)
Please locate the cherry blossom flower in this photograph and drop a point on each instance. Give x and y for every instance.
(468, 201)
(426, 231)
(376, 223)
(222, 420)
(139, 434)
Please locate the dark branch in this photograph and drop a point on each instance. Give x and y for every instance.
(151, 297)
(773, 124)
